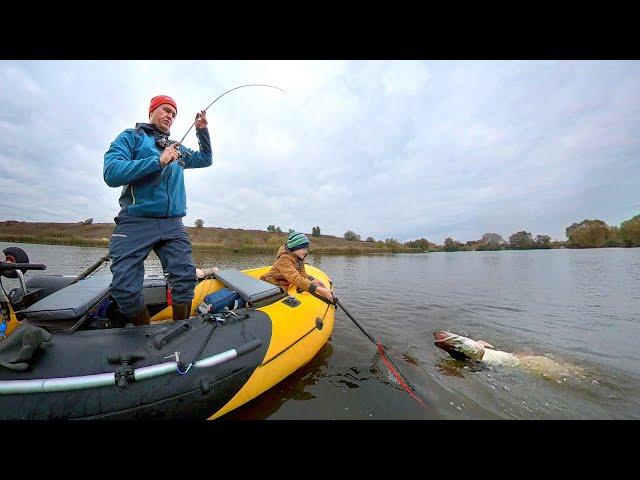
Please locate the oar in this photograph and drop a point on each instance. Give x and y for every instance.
(91, 269)
(404, 383)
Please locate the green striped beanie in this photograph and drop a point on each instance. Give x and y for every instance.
(297, 240)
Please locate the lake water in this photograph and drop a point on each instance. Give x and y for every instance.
(579, 307)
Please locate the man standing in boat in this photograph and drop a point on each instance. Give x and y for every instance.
(150, 169)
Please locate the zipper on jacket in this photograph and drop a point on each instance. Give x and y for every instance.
(168, 176)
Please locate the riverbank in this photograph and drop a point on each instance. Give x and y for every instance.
(202, 238)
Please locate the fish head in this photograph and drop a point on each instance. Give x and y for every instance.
(459, 347)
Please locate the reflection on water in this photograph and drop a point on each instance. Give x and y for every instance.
(575, 306)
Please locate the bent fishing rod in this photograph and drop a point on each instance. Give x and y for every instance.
(198, 116)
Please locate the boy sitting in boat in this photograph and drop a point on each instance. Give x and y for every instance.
(288, 268)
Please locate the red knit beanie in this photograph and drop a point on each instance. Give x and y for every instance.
(160, 100)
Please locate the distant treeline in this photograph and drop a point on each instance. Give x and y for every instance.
(586, 234)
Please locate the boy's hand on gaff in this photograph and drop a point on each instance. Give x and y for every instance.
(317, 281)
(325, 292)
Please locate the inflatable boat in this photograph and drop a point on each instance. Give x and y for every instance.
(67, 353)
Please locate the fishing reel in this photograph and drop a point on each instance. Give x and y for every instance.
(162, 142)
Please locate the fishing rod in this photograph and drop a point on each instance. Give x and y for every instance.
(198, 116)
(220, 96)
(91, 269)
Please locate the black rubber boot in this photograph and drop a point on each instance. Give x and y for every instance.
(142, 318)
(181, 311)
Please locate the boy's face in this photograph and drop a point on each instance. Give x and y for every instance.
(301, 252)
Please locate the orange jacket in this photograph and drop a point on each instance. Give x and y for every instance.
(287, 270)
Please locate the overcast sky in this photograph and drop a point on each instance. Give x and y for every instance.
(389, 149)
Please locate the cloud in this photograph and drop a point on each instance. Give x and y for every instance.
(389, 149)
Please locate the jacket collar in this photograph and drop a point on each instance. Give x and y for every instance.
(150, 129)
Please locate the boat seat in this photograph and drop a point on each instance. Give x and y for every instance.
(68, 305)
(47, 283)
(253, 290)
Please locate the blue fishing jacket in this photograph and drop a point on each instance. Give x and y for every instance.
(133, 162)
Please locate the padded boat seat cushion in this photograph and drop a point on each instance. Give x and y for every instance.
(48, 283)
(70, 302)
(251, 289)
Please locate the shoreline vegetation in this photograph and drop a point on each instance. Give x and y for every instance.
(586, 234)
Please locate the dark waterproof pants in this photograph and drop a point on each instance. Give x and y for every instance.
(132, 241)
